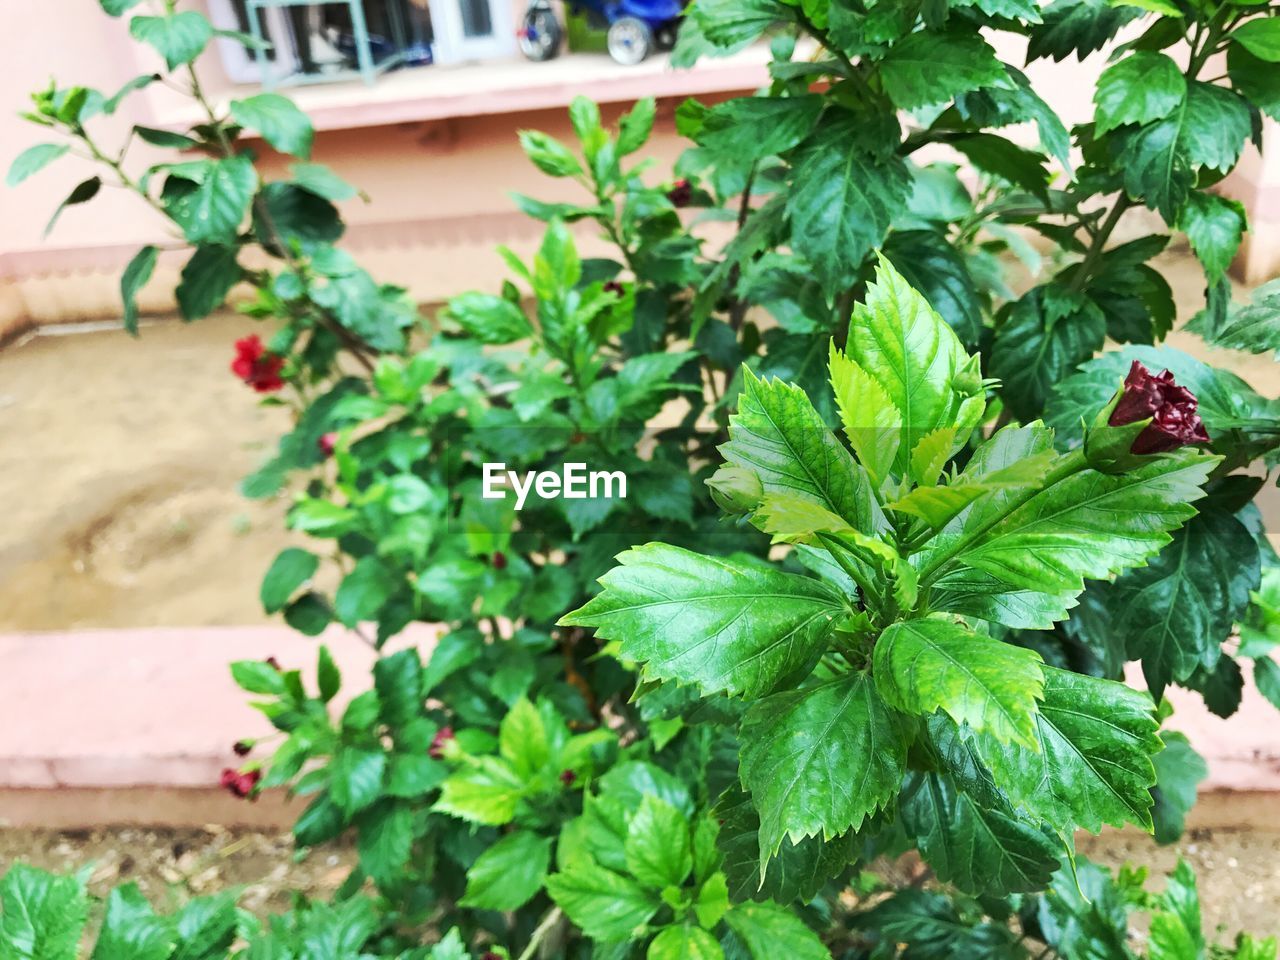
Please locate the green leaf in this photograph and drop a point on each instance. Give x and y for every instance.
(1031, 353)
(328, 676)
(178, 37)
(309, 614)
(898, 339)
(745, 627)
(32, 160)
(1179, 769)
(762, 927)
(291, 568)
(257, 676)
(685, 942)
(1256, 79)
(1096, 740)
(165, 138)
(1254, 327)
(1214, 225)
(115, 8)
(211, 207)
(635, 126)
(606, 905)
(131, 930)
(83, 192)
(509, 874)
(320, 822)
(523, 739)
(748, 128)
(1077, 27)
(658, 850)
(797, 871)
(1266, 676)
(1261, 37)
(398, 680)
(134, 278)
(549, 155)
(931, 265)
(206, 927)
(385, 841)
(820, 760)
(926, 68)
(925, 665)
(207, 278)
(843, 200)
(1004, 159)
(1175, 612)
(489, 319)
(279, 120)
(1091, 525)
(363, 591)
(981, 849)
(1142, 87)
(779, 436)
(871, 422)
(355, 778)
(43, 915)
(318, 179)
(486, 793)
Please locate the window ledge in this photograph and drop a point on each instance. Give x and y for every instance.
(506, 86)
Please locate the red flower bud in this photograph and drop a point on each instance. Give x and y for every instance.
(567, 777)
(681, 193)
(1171, 409)
(490, 955)
(241, 748)
(613, 286)
(239, 784)
(256, 366)
(274, 664)
(443, 736)
(327, 443)
(499, 560)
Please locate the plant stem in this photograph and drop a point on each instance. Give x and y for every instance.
(545, 927)
(738, 309)
(1097, 247)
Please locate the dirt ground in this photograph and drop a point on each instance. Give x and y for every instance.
(1237, 862)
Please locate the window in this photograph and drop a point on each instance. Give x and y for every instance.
(315, 42)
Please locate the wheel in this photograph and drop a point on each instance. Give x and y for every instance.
(630, 41)
(665, 36)
(540, 34)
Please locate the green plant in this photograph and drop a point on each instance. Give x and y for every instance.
(936, 609)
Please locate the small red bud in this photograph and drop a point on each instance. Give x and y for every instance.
(613, 286)
(567, 777)
(327, 443)
(241, 748)
(499, 560)
(274, 664)
(681, 193)
(442, 737)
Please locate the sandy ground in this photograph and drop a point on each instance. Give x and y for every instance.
(1237, 861)
(120, 461)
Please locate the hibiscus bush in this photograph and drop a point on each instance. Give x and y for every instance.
(894, 522)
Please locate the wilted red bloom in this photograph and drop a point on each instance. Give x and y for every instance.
(499, 560)
(239, 784)
(567, 777)
(256, 366)
(443, 736)
(1172, 409)
(241, 748)
(327, 443)
(681, 193)
(273, 663)
(613, 286)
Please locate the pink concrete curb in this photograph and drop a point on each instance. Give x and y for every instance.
(136, 725)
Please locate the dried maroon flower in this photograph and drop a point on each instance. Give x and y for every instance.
(443, 736)
(567, 777)
(256, 366)
(681, 193)
(241, 748)
(1171, 409)
(613, 286)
